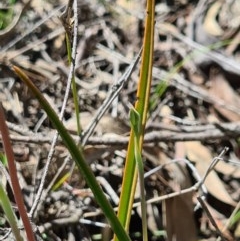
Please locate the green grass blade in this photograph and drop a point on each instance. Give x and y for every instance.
(11, 217)
(78, 158)
(141, 106)
(74, 87)
(135, 121)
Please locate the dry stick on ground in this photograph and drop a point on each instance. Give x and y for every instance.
(114, 92)
(204, 206)
(112, 95)
(228, 223)
(68, 87)
(194, 171)
(116, 88)
(194, 187)
(188, 133)
(31, 30)
(182, 84)
(193, 90)
(226, 63)
(63, 221)
(12, 55)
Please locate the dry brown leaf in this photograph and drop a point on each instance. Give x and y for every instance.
(220, 220)
(107, 127)
(237, 231)
(106, 124)
(180, 207)
(228, 169)
(179, 218)
(210, 24)
(180, 223)
(221, 89)
(202, 157)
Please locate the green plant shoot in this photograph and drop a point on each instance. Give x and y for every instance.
(7, 208)
(135, 121)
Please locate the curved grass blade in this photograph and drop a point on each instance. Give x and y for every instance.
(78, 158)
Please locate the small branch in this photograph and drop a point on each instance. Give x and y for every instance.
(183, 133)
(30, 31)
(55, 137)
(114, 92)
(193, 188)
(204, 206)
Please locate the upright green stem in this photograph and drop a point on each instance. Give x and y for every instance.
(12, 219)
(74, 87)
(135, 120)
(141, 106)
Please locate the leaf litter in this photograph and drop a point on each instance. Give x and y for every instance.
(196, 53)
